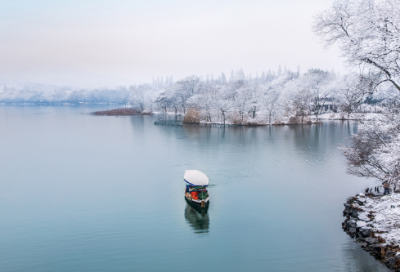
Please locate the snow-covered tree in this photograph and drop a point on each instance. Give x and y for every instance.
(351, 92)
(367, 33)
(375, 149)
(269, 101)
(225, 101)
(316, 82)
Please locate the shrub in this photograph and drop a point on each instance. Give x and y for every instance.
(236, 118)
(192, 116)
(292, 120)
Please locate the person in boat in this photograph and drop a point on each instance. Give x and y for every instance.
(199, 194)
(386, 188)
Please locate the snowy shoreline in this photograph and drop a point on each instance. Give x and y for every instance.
(353, 116)
(203, 123)
(374, 221)
(293, 120)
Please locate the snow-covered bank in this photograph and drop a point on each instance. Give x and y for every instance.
(218, 124)
(343, 116)
(375, 221)
(255, 124)
(247, 124)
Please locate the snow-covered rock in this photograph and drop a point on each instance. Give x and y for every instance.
(385, 211)
(361, 224)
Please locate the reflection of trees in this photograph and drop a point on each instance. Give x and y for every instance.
(198, 220)
(318, 141)
(192, 129)
(138, 121)
(301, 144)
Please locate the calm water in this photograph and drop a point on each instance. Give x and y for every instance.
(85, 193)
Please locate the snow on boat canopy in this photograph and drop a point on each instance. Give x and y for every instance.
(195, 178)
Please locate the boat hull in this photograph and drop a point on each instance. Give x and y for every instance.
(199, 204)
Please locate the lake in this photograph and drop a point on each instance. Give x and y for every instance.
(89, 193)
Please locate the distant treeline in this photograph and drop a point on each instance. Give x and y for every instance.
(266, 98)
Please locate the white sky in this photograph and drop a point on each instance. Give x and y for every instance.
(121, 42)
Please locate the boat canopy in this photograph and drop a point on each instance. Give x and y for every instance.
(195, 178)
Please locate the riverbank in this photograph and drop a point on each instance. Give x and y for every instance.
(219, 124)
(256, 124)
(258, 121)
(374, 221)
(344, 116)
(120, 112)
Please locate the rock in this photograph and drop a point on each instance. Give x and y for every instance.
(365, 231)
(371, 248)
(350, 200)
(371, 240)
(353, 230)
(362, 244)
(361, 224)
(391, 262)
(351, 224)
(363, 217)
(378, 251)
(390, 253)
(361, 201)
(355, 225)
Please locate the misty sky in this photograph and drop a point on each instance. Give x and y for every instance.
(123, 42)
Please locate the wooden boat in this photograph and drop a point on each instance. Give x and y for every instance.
(196, 192)
(197, 207)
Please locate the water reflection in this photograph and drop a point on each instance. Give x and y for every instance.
(197, 218)
(111, 224)
(360, 260)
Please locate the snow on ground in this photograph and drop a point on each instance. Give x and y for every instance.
(342, 116)
(386, 216)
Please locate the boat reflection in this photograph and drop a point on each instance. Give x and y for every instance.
(197, 218)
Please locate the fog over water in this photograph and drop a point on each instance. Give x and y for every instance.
(86, 193)
(108, 43)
